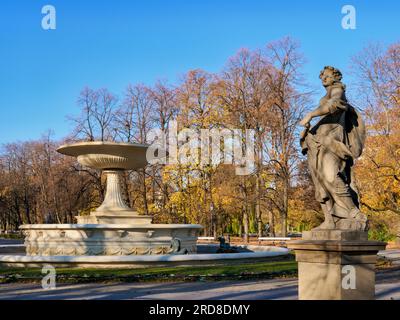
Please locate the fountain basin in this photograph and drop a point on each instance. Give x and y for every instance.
(109, 239)
(208, 257)
(107, 155)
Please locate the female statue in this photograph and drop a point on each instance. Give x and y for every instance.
(331, 146)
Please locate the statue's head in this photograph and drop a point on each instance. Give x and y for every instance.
(330, 75)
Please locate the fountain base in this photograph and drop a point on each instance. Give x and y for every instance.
(109, 239)
(206, 256)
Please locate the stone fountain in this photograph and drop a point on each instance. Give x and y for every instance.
(114, 235)
(113, 228)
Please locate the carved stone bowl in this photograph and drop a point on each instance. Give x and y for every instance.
(107, 155)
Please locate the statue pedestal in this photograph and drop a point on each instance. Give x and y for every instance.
(336, 265)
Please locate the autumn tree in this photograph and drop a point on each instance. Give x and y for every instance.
(377, 73)
(259, 90)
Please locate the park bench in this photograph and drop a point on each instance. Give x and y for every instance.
(206, 238)
(280, 240)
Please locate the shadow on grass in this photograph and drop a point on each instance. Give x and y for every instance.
(247, 271)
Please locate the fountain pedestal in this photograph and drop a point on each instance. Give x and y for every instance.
(336, 265)
(114, 210)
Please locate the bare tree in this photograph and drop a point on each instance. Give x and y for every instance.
(97, 115)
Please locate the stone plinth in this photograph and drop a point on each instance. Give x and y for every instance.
(336, 265)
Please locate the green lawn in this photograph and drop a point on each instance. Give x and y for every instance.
(12, 236)
(284, 267)
(265, 270)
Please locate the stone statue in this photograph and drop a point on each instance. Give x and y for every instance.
(225, 247)
(332, 146)
(176, 247)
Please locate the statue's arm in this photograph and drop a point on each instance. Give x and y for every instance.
(330, 106)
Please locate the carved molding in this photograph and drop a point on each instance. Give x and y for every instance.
(150, 233)
(33, 250)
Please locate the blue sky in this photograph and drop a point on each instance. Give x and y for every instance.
(104, 43)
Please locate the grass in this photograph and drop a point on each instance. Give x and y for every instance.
(259, 270)
(11, 236)
(286, 267)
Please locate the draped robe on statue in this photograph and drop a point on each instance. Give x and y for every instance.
(331, 146)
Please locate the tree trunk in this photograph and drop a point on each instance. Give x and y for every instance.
(258, 209)
(284, 210)
(246, 223)
(271, 220)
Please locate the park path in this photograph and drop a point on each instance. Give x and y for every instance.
(388, 287)
(4, 242)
